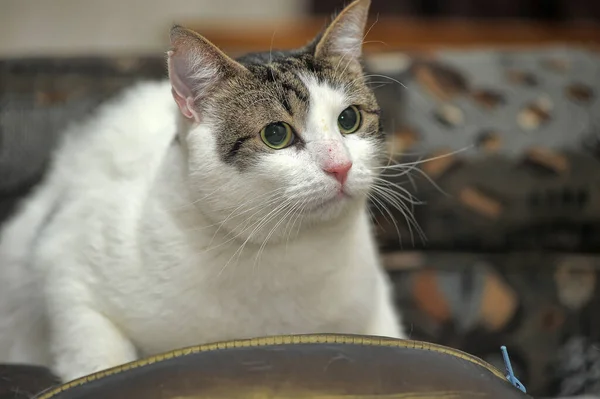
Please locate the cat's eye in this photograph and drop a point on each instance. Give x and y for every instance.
(349, 120)
(277, 135)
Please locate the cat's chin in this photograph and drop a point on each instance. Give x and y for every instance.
(336, 200)
(334, 207)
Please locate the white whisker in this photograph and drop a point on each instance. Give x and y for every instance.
(259, 225)
(421, 161)
(273, 230)
(384, 210)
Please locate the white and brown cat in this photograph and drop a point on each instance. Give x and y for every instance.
(237, 210)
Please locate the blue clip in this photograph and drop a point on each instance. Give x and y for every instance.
(511, 375)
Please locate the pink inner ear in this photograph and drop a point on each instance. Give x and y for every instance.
(181, 92)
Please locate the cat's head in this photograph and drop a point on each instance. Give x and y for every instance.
(279, 136)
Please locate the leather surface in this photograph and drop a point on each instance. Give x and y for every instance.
(314, 366)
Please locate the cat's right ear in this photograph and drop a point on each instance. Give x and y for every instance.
(196, 67)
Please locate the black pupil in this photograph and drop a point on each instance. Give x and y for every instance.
(348, 119)
(276, 134)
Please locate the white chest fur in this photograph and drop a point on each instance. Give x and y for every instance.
(167, 286)
(212, 295)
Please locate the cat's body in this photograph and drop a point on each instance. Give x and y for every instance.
(152, 232)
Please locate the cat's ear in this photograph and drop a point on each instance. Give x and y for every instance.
(344, 36)
(196, 66)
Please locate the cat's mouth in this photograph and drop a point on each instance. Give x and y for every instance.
(339, 197)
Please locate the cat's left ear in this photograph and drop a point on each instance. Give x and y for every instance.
(196, 68)
(344, 36)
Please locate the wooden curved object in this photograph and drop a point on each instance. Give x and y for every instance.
(305, 366)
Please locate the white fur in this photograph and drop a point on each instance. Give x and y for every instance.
(345, 36)
(347, 39)
(131, 245)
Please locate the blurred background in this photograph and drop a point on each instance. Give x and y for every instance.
(140, 26)
(496, 104)
(137, 26)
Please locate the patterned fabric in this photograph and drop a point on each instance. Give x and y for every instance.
(512, 193)
(511, 196)
(515, 139)
(542, 306)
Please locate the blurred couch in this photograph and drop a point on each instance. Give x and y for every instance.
(501, 157)
(504, 247)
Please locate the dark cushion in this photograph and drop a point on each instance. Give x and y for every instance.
(302, 366)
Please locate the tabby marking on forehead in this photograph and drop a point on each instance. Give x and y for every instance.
(275, 91)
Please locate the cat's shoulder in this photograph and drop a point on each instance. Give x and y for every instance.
(126, 134)
(141, 112)
(107, 158)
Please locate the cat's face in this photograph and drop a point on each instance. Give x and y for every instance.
(280, 137)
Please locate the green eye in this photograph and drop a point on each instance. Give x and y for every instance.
(277, 135)
(349, 120)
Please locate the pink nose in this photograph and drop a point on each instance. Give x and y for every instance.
(339, 171)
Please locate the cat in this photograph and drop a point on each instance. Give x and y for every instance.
(226, 202)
